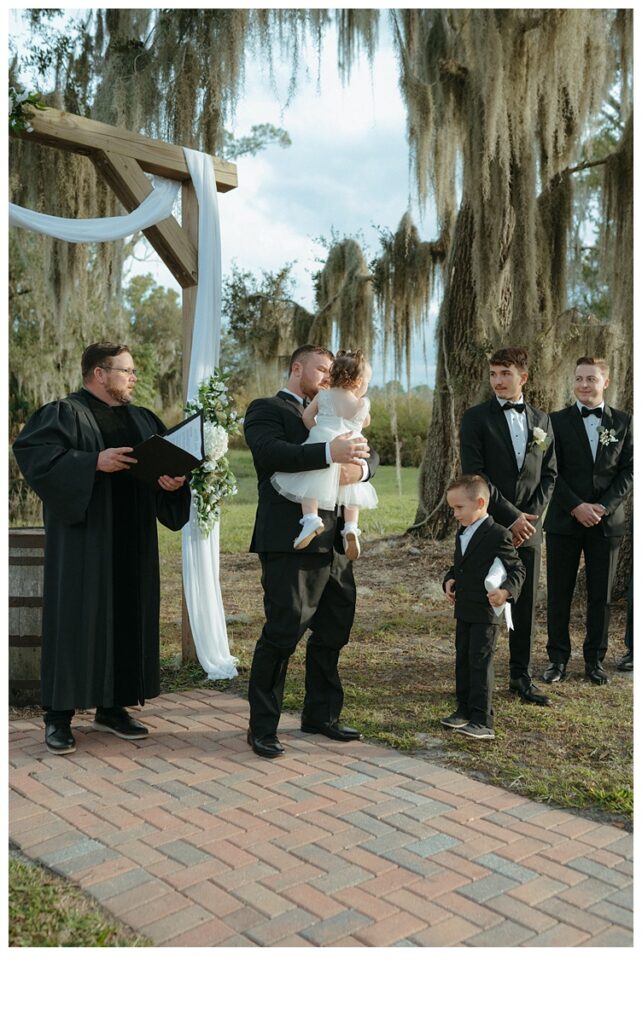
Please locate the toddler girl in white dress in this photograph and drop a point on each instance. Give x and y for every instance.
(340, 409)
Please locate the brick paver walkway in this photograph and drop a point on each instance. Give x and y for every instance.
(191, 839)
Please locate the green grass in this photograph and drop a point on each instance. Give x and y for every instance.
(45, 910)
(394, 514)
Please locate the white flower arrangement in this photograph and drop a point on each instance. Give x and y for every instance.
(540, 439)
(19, 118)
(213, 480)
(607, 436)
(215, 440)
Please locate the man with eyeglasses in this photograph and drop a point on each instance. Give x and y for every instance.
(101, 599)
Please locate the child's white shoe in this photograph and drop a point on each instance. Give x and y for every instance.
(312, 526)
(351, 546)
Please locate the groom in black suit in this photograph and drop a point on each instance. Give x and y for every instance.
(312, 588)
(594, 445)
(510, 443)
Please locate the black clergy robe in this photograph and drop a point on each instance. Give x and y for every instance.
(101, 599)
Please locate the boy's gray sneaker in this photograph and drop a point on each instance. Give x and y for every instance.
(477, 731)
(455, 721)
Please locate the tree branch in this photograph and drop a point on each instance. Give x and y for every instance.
(585, 165)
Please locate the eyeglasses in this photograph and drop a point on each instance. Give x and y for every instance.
(119, 369)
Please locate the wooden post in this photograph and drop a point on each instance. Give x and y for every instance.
(189, 223)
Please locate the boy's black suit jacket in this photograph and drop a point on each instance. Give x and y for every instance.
(486, 449)
(489, 541)
(607, 481)
(275, 432)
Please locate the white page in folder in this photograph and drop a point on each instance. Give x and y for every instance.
(189, 437)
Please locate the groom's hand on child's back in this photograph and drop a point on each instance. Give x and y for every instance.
(348, 449)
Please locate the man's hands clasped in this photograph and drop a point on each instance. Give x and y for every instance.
(588, 513)
(523, 528)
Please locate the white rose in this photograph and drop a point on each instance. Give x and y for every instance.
(539, 434)
(216, 442)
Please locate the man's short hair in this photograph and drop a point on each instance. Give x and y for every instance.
(510, 357)
(97, 354)
(473, 485)
(594, 361)
(305, 350)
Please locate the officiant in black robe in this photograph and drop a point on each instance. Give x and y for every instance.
(101, 598)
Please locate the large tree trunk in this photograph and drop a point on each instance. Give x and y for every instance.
(460, 381)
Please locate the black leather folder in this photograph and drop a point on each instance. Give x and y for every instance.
(162, 456)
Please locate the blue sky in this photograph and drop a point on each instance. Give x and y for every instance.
(346, 173)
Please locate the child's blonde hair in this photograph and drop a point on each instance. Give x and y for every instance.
(347, 369)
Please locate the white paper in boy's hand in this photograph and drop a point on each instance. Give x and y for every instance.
(494, 579)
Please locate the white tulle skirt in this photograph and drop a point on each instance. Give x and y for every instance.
(322, 485)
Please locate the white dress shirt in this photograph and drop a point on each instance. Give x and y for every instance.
(518, 427)
(466, 534)
(592, 426)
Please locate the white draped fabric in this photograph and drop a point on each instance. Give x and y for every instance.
(156, 207)
(200, 555)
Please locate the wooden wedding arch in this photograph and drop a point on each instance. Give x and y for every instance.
(122, 157)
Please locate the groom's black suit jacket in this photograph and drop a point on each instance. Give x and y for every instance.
(489, 541)
(486, 449)
(607, 481)
(275, 432)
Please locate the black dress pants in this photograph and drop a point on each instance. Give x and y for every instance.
(521, 635)
(562, 562)
(475, 644)
(628, 633)
(300, 592)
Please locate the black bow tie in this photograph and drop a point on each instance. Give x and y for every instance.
(517, 406)
(591, 412)
(306, 402)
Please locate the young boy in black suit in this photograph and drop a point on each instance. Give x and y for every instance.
(479, 542)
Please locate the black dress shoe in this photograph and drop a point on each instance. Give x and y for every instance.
(528, 692)
(333, 730)
(268, 746)
(120, 722)
(555, 671)
(625, 664)
(596, 673)
(59, 738)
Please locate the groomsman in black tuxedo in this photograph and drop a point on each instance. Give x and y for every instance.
(510, 443)
(312, 588)
(594, 445)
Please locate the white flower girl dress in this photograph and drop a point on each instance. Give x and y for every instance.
(336, 416)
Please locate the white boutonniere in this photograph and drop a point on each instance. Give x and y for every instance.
(607, 436)
(540, 439)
